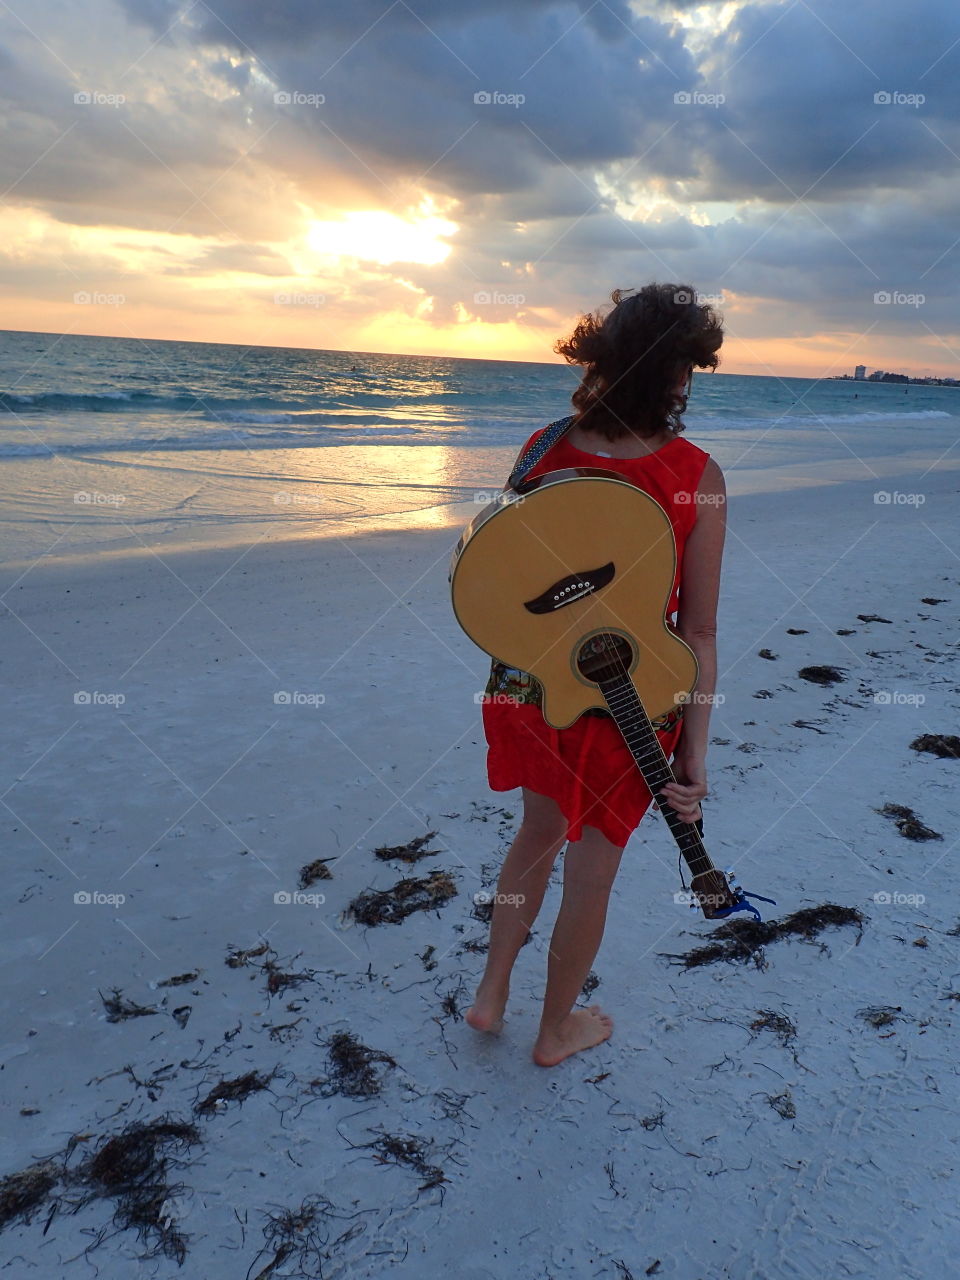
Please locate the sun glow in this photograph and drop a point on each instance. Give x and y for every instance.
(374, 235)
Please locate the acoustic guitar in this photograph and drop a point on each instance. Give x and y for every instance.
(568, 579)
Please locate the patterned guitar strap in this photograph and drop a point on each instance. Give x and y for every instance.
(528, 458)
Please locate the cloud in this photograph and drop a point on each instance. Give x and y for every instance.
(736, 146)
(251, 259)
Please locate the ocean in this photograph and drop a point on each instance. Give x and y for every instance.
(118, 443)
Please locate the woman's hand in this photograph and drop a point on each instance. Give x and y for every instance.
(684, 795)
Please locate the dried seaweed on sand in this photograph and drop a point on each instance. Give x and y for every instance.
(743, 940)
(314, 871)
(908, 824)
(411, 852)
(391, 906)
(352, 1071)
(822, 675)
(944, 745)
(232, 1091)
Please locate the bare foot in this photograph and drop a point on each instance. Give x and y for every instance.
(486, 1012)
(582, 1029)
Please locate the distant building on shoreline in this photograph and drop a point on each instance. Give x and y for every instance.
(860, 375)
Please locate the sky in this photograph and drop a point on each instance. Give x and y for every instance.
(466, 177)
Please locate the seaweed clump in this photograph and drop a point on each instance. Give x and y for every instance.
(743, 940)
(770, 1020)
(822, 675)
(277, 979)
(301, 1234)
(314, 871)
(944, 745)
(21, 1194)
(881, 1015)
(120, 1009)
(409, 1152)
(391, 906)
(908, 824)
(232, 1091)
(783, 1104)
(410, 852)
(131, 1168)
(352, 1068)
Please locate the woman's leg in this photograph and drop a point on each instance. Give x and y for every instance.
(520, 890)
(589, 869)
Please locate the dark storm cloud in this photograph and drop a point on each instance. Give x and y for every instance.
(799, 81)
(599, 87)
(597, 82)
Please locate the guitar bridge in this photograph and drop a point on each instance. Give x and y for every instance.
(574, 587)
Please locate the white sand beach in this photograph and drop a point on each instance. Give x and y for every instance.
(190, 729)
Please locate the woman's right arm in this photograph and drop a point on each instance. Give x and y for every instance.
(698, 601)
(697, 625)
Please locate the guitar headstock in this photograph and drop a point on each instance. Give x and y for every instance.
(712, 890)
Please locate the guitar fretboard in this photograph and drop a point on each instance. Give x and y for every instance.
(634, 724)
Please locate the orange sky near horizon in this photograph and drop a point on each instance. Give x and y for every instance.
(318, 289)
(818, 356)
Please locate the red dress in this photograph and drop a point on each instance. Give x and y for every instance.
(587, 768)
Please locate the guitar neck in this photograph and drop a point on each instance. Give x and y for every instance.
(634, 724)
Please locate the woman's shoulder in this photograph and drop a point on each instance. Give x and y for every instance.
(693, 450)
(703, 464)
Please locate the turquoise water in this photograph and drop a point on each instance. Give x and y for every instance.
(69, 394)
(107, 441)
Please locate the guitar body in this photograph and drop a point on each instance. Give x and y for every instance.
(557, 539)
(569, 578)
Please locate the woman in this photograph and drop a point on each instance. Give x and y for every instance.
(580, 784)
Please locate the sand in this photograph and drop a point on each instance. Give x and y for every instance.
(190, 729)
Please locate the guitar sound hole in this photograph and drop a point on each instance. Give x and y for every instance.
(605, 656)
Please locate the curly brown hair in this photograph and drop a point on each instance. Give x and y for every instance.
(636, 355)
